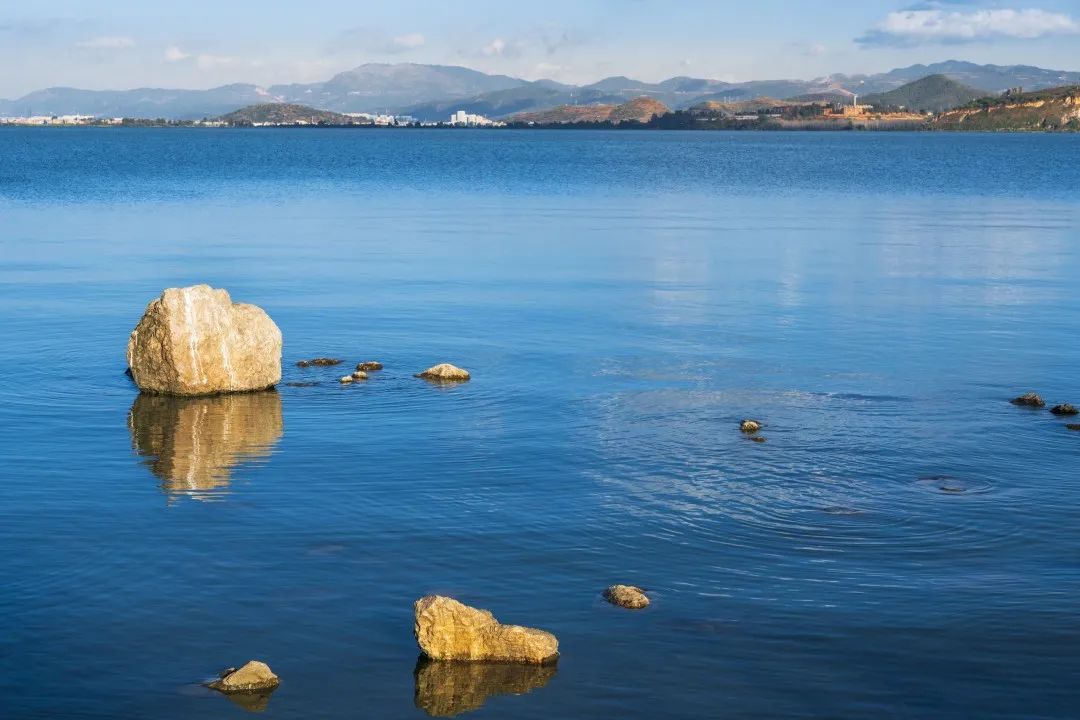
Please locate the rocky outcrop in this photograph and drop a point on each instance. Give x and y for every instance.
(627, 596)
(193, 444)
(254, 676)
(449, 630)
(749, 426)
(444, 372)
(196, 341)
(1028, 400)
(318, 362)
(1064, 409)
(446, 689)
(369, 366)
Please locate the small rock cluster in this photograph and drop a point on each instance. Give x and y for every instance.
(318, 362)
(1033, 400)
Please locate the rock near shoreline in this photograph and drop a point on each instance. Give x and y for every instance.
(197, 341)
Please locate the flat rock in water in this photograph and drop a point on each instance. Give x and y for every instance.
(1028, 400)
(627, 596)
(1064, 409)
(254, 676)
(197, 341)
(369, 366)
(446, 629)
(444, 372)
(318, 362)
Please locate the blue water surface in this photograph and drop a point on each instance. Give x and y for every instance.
(905, 544)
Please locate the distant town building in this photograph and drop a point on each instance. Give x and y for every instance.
(464, 119)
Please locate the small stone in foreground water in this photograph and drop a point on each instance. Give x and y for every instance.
(1064, 409)
(749, 426)
(346, 379)
(627, 596)
(252, 677)
(1028, 400)
(359, 375)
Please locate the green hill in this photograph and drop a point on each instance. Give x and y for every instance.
(288, 114)
(932, 93)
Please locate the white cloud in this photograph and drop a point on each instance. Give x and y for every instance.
(495, 47)
(175, 54)
(928, 26)
(408, 41)
(209, 62)
(107, 42)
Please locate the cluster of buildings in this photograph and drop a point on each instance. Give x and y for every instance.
(60, 120)
(464, 119)
(384, 120)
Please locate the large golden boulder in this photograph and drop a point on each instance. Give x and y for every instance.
(197, 341)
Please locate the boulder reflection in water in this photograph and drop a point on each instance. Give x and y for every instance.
(445, 688)
(193, 444)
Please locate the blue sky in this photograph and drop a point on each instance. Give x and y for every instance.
(202, 43)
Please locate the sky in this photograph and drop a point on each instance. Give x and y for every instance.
(119, 44)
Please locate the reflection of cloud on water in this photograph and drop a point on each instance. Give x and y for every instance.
(193, 444)
(446, 688)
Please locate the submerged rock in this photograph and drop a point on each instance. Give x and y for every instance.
(749, 426)
(1073, 426)
(1064, 409)
(627, 596)
(254, 676)
(369, 366)
(448, 688)
(445, 372)
(1028, 400)
(446, 629)
(197, 341)
(758, 439)
(318, 362)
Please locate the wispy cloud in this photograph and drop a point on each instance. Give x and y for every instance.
(927, 26)
(408, 41)
(370, 40)
(107, 42)
(175, 54)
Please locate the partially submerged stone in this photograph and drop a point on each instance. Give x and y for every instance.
(758, 438)
(197, 341)
(627, 596)
(447, 688)
(359, 375)
(318, 362)
(254, 676)
(346, 379)
(369, 366)
(444, 372)
(1073, 426)
(1028, 400)
(446, 629)
(749, 426)
(1064, 409)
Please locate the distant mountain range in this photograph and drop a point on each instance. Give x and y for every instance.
(432, 92)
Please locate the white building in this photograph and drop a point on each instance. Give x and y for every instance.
(465, 119)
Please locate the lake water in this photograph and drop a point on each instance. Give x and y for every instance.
(906, 544)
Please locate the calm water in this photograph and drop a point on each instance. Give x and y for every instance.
(906, 543)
